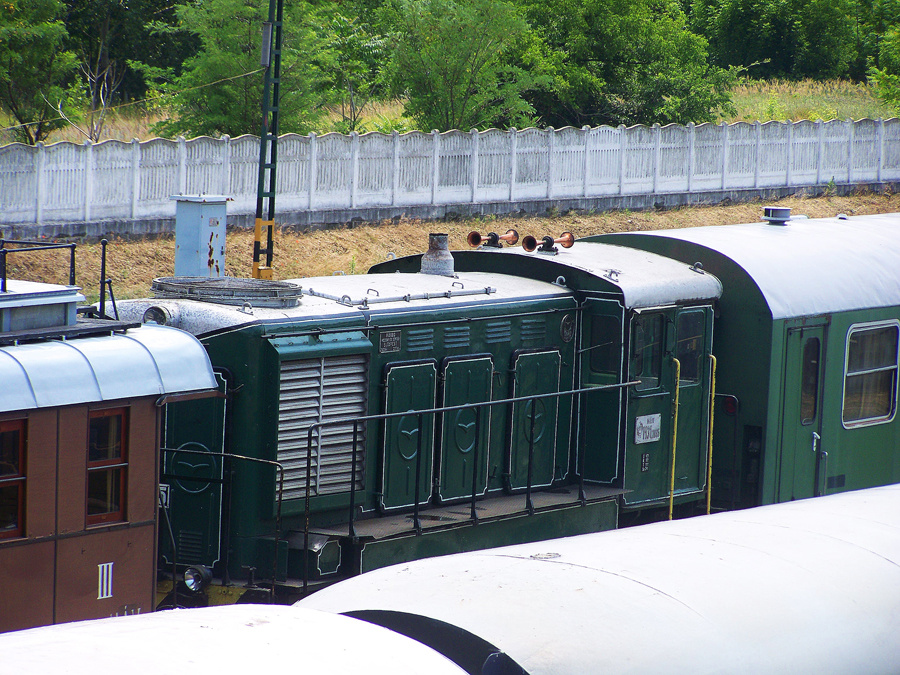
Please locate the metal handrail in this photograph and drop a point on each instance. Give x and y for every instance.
(420, 414)
(31, 246)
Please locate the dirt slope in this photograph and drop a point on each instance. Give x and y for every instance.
(133, 264)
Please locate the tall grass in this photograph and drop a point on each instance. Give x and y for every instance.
(767, 100)
(754, 100)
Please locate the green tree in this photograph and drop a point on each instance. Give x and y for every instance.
(351, 64)
(33, 65)
(451, 63)
(625, 62)
(220, 89)
(886, 79)
(779, 38)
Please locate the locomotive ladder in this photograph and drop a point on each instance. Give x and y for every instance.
(268, 142)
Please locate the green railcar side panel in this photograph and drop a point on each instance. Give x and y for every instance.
(408, 387)
(534, 373)
(465, 434)
(191, 485)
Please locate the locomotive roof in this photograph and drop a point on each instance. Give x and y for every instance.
(349, 295)
(144, 361)
(644, 279)
(809, 266)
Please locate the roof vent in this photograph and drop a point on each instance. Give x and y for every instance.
(776, 215)
(229, 291)
(438, 259)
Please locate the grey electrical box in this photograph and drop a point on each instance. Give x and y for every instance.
(200, 235)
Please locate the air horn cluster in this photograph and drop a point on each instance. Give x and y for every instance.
(545, 245)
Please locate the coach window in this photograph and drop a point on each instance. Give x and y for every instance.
(870, 377)
(606, 344)
(689, 344)
(12, 479)
(809, 382)
(647, 337)
(107, 465)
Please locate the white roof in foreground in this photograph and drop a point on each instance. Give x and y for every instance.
(217, 641)
(809, 586)
(143, 361)
(815, 266)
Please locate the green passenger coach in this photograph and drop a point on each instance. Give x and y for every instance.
(807, 347)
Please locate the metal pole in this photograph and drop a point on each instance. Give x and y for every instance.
(475, 460)
(529, 505)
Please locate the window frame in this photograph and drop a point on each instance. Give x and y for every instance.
(19, 480)
(883, 419)
(117, 464)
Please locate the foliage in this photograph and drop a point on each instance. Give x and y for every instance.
(628, 62)
(887, 79)
(220, 89)
(33, 65)
(351, 65)
(450, 63)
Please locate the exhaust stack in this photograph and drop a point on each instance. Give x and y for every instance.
(438, 259)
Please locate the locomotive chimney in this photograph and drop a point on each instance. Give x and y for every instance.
(438, 260)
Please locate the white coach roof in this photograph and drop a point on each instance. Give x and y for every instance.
(809, 586)
(810, 267)
(144, 361)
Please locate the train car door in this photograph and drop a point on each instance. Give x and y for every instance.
(648, 418)
(693, 343)
(601, 364)
(409, 387)
(801, 422)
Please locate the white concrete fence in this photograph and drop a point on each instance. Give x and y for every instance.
(112, 180)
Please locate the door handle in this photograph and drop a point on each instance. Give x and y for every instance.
(815, 441)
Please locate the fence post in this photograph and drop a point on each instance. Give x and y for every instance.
(474, 178)
(354, 167)
(657, 140)
(40, 183)
(182, 165)
(226, 165)
(87, 168)
(513, 135)
(880, 136)
(757, 154)
(435, 164)
(820, 150)
(135, 176)
(724, 152)
(623, 148)
(395, 166)
(692, 162)
(790, 153)
(551, 146)
(850, 135)
(313, 168)
(587, 158)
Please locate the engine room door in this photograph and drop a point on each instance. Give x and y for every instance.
(534, 373)
(408, 387)
(801, 413)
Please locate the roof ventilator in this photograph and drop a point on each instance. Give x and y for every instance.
(776, 215)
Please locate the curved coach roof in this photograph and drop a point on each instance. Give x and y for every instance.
(809, 266)
(805, 586)
(144, 361)
(217, 640)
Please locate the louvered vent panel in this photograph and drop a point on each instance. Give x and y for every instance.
(534, 330)
(314, 391)
(456, 337)
(498, 331)
(420, 340)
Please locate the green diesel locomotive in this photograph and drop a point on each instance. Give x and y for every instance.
(457, 401)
